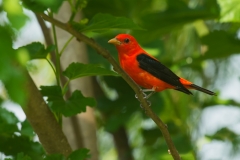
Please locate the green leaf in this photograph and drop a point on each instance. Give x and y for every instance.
(103, 22)
(54, 157)
(27, 129)
(16, 144)
(12, 75)
(15, 13)
(76, 70)
(230, 10)
(80, 154)
(77, 103)
(21, 156)
(37, 50)
(220, 44)
(8, 123)
(177, 14)
(42, 5)
(52, 92)
(224, 134)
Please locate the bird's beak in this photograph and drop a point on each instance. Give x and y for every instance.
(114, 41)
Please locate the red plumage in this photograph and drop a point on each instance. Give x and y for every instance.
(146, 70)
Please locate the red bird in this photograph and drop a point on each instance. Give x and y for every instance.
(146, 70)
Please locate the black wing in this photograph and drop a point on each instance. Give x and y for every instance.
(158, 70)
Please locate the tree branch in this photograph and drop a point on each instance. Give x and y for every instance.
(67, 27)
(44, 123)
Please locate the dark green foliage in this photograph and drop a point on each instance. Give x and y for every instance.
(80, 154)
(105, 22)
(54, 157)
(42, 5)
(220, 44)
(37, 50)
(13, 140)
(75, 104)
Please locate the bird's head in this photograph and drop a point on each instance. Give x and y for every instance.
(125, 43)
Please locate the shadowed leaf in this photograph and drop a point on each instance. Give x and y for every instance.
(77, 103)
(77, 70)
(104, 22)
(42, 5)
(80, 154)
(37, 50)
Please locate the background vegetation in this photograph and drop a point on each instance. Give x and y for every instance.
(197, 39)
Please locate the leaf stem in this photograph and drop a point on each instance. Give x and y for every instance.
(74, 9)
(64, 89)
(58, 69)
(65, 45)
(51, 65)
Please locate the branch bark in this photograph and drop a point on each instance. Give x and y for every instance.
(44, 123)
(67, 27)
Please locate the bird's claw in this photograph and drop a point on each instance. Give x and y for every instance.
(136, 96)
(145, 96)
(149, 103)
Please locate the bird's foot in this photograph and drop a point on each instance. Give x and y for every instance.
(144, 95)
(146, 90)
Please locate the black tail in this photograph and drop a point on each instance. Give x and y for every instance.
(184, 90)
(202, 89)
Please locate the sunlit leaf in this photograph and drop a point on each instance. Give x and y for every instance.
(12, 76)
(230, 10)
(14, 13)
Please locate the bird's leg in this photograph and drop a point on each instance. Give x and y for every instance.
(147, 90)
(150, 94)
(152, 90)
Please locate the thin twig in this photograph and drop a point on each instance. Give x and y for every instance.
(67, 27)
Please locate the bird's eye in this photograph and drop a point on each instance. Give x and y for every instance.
(126, 40)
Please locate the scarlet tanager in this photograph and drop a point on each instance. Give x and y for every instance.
(146, 70)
